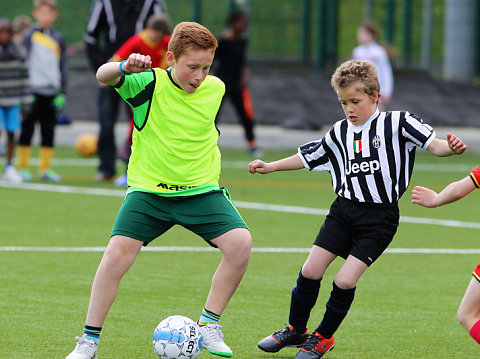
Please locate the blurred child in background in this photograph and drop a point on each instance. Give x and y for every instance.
(370, 50)
(231, 67)
(48, 77)
(20, 25)
(13, 89)
(111, 23)
(152, 41)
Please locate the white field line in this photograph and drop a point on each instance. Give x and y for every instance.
(239, 204)
(422, 167)
(255, 250)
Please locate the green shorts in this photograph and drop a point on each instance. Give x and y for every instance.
(145, 216)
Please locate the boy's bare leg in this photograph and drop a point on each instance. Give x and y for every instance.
(117, 259)
(10, 146)
(469, 311)
(350, 272)
(236, 247)
(317, 262)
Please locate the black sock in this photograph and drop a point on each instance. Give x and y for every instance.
(304, 297)
(93, 333)
(337, 309)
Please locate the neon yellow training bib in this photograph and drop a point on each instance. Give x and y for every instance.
(174, 149)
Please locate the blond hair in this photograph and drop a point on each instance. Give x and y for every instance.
(21, 23)
(191, 35)
(353, 71)
(50, 3)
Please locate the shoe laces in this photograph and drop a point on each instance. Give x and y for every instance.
(214, 332)
(316, 342)
(287, 328)
(285, 332)
(85, 346)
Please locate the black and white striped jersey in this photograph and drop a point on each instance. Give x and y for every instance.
(373, 162)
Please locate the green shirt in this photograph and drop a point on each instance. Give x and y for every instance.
(174, 150)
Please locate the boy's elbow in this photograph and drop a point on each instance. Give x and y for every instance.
(101, 77)
(98, 75)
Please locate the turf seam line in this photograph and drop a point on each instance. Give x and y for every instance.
(239, 204)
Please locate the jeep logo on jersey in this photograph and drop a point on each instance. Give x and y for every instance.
(357, 146)
(365, 167)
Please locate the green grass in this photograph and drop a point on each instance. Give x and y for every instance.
(405, 304)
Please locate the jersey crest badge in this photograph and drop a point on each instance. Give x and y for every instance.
(376, 142)
(357, 146)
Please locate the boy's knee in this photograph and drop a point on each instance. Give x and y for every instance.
(117, 253)
(345, 282)
(313, 270)
(239, 246)
(244, 246)
(113, 255)
(310, 273)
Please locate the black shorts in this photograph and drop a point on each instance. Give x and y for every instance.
(363, 230)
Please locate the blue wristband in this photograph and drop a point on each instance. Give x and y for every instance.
(120, 68)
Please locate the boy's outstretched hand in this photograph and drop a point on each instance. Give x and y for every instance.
(456, 144)
(258, 166)
(137, 63)
(424, 197)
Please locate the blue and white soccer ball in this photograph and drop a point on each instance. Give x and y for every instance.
(177, 337)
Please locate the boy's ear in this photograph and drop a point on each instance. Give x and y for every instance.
(375, 97)
(170, 58)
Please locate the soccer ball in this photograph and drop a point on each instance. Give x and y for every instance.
(177, 337)
(86, 144)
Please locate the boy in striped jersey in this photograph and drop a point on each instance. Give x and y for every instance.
(370, 156)
(468, 313)
(172, 178)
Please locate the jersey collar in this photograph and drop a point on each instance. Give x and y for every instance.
(169, 72)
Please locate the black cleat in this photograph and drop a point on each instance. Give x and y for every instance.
(287, 337)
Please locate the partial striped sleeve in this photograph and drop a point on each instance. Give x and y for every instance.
(476, 272)
(416, 131)
(313, 155)
(475, 176)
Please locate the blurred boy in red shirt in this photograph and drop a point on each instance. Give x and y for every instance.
(153, 41)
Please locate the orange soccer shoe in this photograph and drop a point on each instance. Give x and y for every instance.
(316, 347)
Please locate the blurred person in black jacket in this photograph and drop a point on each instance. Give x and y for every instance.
(230, 65)
(111, 23)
